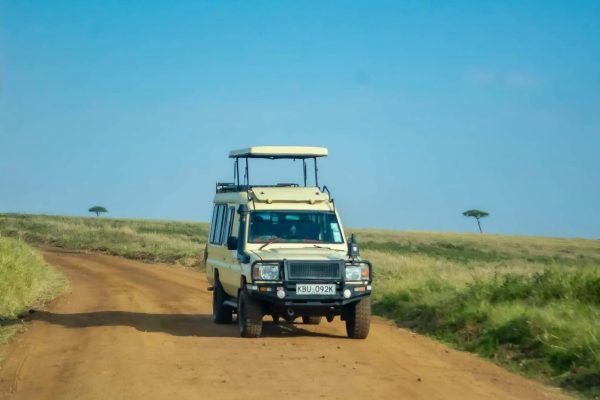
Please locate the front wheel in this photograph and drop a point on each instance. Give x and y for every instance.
(358, 319)
(222, 314)
(249, 316)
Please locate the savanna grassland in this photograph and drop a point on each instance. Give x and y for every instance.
(530, 304)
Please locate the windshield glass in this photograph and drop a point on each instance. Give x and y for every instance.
(294, 227)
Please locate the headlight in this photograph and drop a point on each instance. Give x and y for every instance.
(265, 272)
(357, 272)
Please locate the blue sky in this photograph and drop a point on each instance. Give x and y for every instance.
(428, 108)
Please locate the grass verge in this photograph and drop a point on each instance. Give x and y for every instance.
(530, 304)
(25, 281)
(544, 324)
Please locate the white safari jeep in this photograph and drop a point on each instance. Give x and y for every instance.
(280, 250)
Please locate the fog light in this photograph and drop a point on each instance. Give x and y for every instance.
(347, 293)
(280, 294)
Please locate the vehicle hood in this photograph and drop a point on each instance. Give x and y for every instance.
(312, 254)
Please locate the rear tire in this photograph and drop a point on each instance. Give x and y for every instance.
(311, 320)
(222, 314)
(249, 316)
(358, 319)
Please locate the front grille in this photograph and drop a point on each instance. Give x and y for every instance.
(314, 270)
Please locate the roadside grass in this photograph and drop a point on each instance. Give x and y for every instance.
(152, 241)
(25, 281)
(531, 304)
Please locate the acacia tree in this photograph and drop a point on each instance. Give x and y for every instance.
(477, 214)
(97, 210)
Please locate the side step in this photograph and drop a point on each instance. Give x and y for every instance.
(231, 303)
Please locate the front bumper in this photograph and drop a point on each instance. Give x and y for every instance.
(345, 293)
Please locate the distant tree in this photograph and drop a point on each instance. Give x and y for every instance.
(477, 214)
(98, 210)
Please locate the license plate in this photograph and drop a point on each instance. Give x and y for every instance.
(321, 289)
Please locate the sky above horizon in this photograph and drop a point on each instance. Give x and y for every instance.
(428, 109)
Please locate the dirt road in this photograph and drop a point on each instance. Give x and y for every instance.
(130, 330)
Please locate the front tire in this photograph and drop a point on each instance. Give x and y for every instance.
(358, 319)
(249, 316)
(222, 314)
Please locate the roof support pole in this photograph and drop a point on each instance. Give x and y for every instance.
(247, 175)
(236, 172)
(304, 170)
(316, 172)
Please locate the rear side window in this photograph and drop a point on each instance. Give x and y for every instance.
(216, 228)
(213, 222)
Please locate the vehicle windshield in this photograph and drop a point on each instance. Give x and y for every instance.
(294, 227)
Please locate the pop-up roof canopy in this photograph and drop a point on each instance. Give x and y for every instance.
(275, 152)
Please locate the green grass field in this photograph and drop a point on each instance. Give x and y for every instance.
(25, 281)
(530, 304)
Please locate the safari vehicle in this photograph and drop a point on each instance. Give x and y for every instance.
(280, 250)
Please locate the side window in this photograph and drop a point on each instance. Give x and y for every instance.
(222, 224)
(218, 224)
(228, 225)
(211, 234)
(231, 218)
(225, 227)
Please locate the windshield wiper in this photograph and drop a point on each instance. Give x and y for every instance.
(325, 247)
(268, 243)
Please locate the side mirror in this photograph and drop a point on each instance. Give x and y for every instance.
(353, 251)
(232, 243)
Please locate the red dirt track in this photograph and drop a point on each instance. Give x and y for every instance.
(130, 330)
